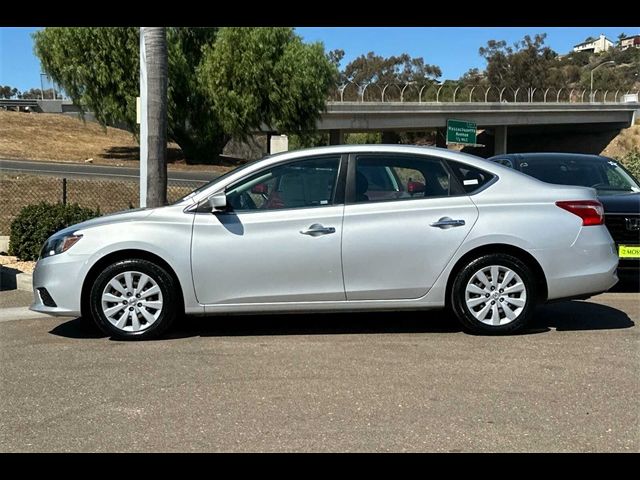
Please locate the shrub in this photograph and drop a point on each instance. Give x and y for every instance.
(35, 223)
(631, 161)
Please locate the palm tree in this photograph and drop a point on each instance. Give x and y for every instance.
(155, 42)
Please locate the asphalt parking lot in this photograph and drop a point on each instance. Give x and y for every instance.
(339, 383)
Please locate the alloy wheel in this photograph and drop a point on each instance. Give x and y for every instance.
(496, 295)
(132, 301)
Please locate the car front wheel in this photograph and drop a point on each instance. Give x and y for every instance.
(134, 299)
(494, 294)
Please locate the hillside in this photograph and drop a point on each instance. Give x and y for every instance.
(626, 141)
(60, 138)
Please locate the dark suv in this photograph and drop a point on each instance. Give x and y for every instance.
(617, 189)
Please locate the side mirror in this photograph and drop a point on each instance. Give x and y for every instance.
(260, 189)
(415, 187)
(218, 201)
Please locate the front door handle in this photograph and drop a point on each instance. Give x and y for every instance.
(446, 222)
(316, 229)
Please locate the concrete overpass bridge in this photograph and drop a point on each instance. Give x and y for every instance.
(508, 117)
(524, 119)
(502, 120)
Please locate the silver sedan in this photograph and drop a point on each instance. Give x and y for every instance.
(368, 227)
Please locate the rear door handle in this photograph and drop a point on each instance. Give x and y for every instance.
(446, 222)
(316, 230)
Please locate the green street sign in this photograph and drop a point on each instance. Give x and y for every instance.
(459, 131)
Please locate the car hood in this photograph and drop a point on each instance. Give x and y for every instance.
(629, 203)
(119, 217)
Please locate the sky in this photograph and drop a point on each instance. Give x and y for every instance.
(453, 49)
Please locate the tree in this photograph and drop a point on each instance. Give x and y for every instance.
(37, 94)
(155, 41)
(473, 76)
(265, 76)
(98, 68)
(528, 64)
(335, 57)
(191, 123)
(401, 69)
(8, 92)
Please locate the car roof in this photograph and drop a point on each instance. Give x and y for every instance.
(533, 156)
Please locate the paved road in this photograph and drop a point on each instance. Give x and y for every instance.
(76, 170)
(371, 382)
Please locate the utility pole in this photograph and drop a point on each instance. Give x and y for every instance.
(143, 122)
(153, 119)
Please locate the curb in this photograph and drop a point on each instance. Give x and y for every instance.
(12, 279)
(24, 281)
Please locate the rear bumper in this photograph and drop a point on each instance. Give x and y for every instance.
(589, 265)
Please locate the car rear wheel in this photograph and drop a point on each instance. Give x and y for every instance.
(134, 299)
(494, 294)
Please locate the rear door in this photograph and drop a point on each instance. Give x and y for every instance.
(395, 248)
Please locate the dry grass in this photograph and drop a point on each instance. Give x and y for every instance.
(626, 141)
(45, 136)
(61, 138)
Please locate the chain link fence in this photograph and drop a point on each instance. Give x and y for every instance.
(18, 191)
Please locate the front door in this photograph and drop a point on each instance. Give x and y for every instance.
(279, 241)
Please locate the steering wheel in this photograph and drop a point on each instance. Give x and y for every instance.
(243, 201)
(247, 202)
(600, 185)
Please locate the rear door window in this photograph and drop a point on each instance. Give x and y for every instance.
(380, 177)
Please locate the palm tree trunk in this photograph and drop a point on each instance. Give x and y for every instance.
(155, 41)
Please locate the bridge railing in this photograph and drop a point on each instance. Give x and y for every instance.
(454, 93)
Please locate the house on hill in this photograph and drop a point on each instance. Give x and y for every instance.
(601, 44)
(628, 42)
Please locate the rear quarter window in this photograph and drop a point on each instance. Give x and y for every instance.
(471, 179)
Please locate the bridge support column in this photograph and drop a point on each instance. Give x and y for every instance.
(390, 137)
(500, 140)
(336, 137)
(441, 138)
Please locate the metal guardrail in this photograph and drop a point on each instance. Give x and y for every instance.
(435, 93)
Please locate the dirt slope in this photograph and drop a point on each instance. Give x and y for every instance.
(61, 138)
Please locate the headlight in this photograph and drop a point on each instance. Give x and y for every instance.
(56, 245)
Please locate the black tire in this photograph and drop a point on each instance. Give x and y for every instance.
(168, 287)
(463, 312)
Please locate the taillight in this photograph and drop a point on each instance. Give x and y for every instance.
(590, 211)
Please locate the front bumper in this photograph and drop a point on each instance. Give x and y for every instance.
(62, 276)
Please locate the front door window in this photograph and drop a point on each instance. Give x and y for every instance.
(304, 184)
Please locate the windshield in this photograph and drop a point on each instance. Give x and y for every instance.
(608, 177)
(217, 179)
